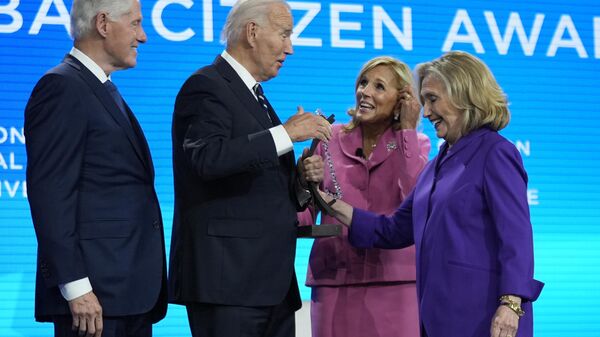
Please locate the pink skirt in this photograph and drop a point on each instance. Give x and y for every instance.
(382, 310)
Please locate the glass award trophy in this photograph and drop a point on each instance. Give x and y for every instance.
(322, 230)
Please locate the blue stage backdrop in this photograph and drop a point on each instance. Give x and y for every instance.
(545, 54)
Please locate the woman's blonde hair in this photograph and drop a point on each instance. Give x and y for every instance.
(402, 78)
(471, 88)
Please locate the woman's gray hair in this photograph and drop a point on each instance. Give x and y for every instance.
(243, 12)
(83, 14)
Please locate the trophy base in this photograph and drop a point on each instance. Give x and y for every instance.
(319, 231)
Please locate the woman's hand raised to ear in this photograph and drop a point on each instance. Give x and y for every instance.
(408, 108)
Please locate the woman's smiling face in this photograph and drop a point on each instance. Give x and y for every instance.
(446, 119)
(376, 96)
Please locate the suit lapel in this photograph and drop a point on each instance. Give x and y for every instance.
(350, 142)
(248, 100)
(145, 150)
(386, 145)
(461, 149)
(112, 108)
(441, 176)
(242, 92)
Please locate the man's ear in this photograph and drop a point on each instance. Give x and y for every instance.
(102, 23)
(251, 31)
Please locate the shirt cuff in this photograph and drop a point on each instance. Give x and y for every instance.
(72, 290)
(283, 142)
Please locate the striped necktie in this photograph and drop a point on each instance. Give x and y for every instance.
(264, 103)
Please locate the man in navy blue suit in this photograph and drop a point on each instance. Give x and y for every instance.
(101, 258)
(234, 227)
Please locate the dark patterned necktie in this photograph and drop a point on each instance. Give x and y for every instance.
(114, 92)
(264, 103)
(131, 121)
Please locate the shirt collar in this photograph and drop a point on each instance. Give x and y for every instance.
(89, 64)
(242, 72)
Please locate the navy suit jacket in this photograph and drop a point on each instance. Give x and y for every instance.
(91, 190)
(234, 227)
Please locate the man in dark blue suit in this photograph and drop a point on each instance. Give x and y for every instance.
(234, 230)
(101, 258)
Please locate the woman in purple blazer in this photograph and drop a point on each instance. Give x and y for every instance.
(467, 216)
(372, 162)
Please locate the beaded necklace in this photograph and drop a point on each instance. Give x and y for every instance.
(336, 186)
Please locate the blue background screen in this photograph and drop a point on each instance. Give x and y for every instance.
(544, 54)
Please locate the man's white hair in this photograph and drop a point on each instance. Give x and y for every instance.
(83, 14)
(243, 12)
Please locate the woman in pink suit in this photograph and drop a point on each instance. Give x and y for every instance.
(373, 163)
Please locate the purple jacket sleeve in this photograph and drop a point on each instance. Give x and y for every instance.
(505, 190)
(370, 230)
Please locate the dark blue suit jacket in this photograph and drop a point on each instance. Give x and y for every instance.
(234, 227)
(91, 190)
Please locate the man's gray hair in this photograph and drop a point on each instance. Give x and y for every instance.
(243, 12)
(83, 14)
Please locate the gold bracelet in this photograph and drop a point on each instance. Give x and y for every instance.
(512, 305)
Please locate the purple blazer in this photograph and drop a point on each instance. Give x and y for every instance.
(469, 220)
(378, 184)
